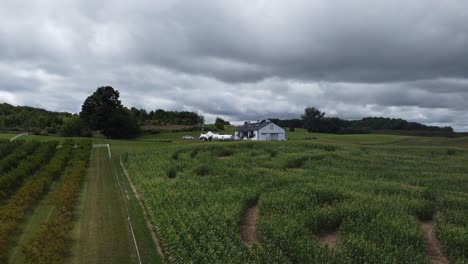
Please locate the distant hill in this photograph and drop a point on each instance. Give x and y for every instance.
(380, 125)
(41, 121)
(31, 119)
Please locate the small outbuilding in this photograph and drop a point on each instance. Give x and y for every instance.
(263, 130)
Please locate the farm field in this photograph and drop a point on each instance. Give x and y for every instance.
(333, 199)
(38, 183)
(6, 136)
(53, 209)
(312, 199)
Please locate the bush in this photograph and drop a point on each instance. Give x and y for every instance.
(73, 127)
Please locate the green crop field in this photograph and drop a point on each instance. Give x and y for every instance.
(54, 208)
(316, 198)
(39, 183)
(370, 195)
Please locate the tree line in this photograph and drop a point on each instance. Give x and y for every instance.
(162, 117)
(30, 119)
(104, 112)
(315, 120)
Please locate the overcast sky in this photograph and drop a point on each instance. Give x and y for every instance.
(244, 59)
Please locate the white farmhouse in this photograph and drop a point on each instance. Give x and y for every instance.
(264, 130)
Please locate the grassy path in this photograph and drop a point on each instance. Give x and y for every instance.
(102, 233)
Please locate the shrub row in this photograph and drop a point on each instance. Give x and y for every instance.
(12, 179)
(6, 147)
(48, 245)
(17, 155)
(16, 207)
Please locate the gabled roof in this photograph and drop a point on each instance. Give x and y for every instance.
(253, 126)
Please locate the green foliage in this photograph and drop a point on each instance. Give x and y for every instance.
(315, 121)
(273, 153)
(21, 151)
(162, 117)
(74, 127)
(202, 170)
(49, 244)
(27, 195)
(122, 124)
(25, 167)
(223, 152)
(219, 123)
(312, 118)
(30, 119)
(98, 107)
(103, 111)
(171, 172)
(373, 197)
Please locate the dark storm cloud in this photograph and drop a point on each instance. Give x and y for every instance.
(242, 59)
(383, 41)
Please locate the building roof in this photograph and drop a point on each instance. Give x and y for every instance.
(253, 126)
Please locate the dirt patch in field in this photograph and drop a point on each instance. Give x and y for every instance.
(431, 245)
(145, 214)
(248, 223)
(225, 157)
(329, 239)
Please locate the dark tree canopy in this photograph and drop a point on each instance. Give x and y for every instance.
(219, 123)
(312, 119)
(122, 124)
(99, 106)
(315, 121)
(103, 111)
(73, 127)
(30, 119)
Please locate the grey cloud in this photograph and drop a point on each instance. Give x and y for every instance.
(242, 59)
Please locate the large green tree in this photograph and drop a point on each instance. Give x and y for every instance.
(122, 124)
(312, 119)
(103, 111)
(219, 123)
(98, 107)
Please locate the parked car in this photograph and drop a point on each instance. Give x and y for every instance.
(187, 137)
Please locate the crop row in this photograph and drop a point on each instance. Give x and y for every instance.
(13, 178)
(17, 155)
(6, 147)
(49, 244)
(373, 197)
(16, 207)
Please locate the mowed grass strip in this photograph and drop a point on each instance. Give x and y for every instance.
(101, 233)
